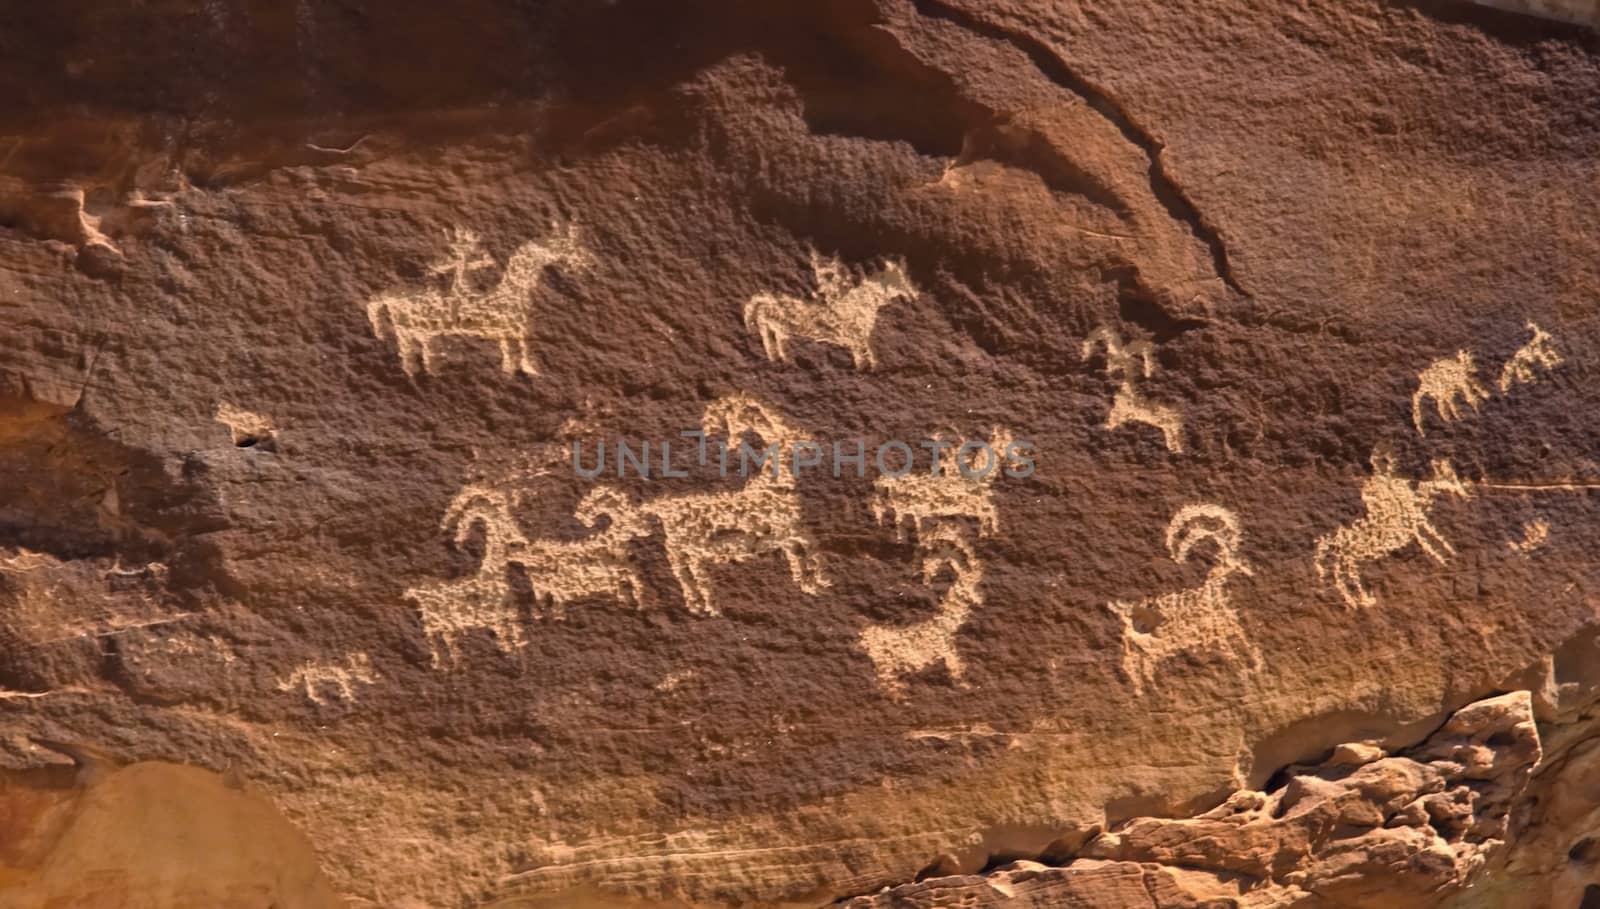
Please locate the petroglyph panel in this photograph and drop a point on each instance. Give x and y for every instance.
(419, 319)
(841, 312)
(1134, 362)
(1397, 515)
(1160, 627)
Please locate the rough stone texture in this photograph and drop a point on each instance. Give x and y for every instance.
(304, 304)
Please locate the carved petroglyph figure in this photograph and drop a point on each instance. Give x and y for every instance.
(315, 679)
(1199, 617)
(1135, 362)
(562, 570)
(898, 650)
(1537, 352)
(918, 499)
(1445, 380)
(451, 608)
(705, 529)
(1535, 534)
(1397, 516)
(840, 312)
(500, 314)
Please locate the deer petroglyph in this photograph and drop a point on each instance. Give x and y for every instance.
(1134, 361)
(1397, 515)
(1158, 628)
(500, 314)
(840, 312)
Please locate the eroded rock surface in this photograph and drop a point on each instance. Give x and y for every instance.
(307, 305)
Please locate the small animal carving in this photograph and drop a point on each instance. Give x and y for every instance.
(1158, 628)
(499, 314)
(315, 679)
(839, 313)
(705, 529)
(1535, 534)
(896, 651)
(1537, 352)
(1444, 381)
(916, 500)
(1134, 361)
(1397, 515)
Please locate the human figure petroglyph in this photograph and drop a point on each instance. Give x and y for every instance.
(1134, 361)
(1199, 617)
(705, 529)
(899, 650)
(500, 314)
(315, 679)
(1397, 515)
(840, 312)
(1537, 352)
(1445, 380)
(916, 500)
(481, 600)
(566, 570)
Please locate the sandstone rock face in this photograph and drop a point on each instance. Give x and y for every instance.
(1278, 325)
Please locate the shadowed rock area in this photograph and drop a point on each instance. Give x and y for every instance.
(1183, 467)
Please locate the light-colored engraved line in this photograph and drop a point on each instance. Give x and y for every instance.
(1528, 487)
(1135, 362)
(313, 678)
(1197, 617)
(500, 314)
(1443, 381)
(1397, 515)
(840, 312)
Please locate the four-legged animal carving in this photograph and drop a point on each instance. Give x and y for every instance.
(1445, 380)
(840, 313)
(499, 314)
(704, 529)
(917, 499)
(1135, 361)
(1397, 516)
(453, 607)
(1537, 352)
(1157, 628)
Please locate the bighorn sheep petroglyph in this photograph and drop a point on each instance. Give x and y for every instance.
(897, 650)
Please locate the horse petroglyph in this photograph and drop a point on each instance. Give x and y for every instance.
(1537, 352)
(1134, 362)
(704, 529)
(1160, 627)
(840, 312)
(1397, 515)
(897, 650)
(956, 490)
(500, 314)
(1445, 380)
(315, 680)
